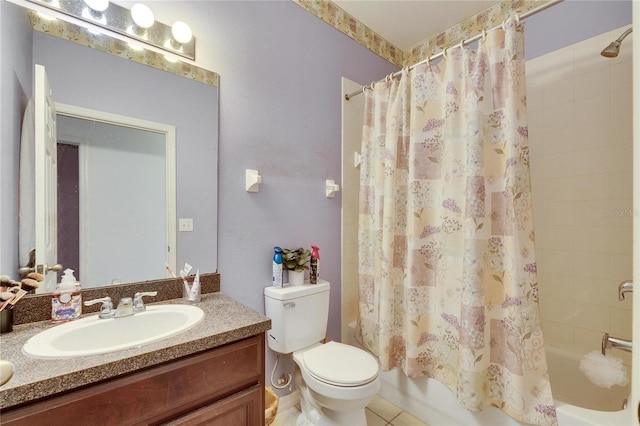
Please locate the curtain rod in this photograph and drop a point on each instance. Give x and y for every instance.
(462, 43)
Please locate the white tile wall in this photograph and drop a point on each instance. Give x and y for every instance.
(580, 121)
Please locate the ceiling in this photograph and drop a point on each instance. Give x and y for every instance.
(406, 23)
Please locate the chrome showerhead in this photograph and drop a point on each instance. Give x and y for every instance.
(612, 50)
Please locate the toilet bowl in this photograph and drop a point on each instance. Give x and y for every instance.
(337, 382)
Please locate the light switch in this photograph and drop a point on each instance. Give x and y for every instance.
(185, 225)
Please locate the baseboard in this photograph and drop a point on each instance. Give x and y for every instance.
(288, 401)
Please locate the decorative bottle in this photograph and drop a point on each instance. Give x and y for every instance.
(66, 300)
(314, 263)
(277, 267)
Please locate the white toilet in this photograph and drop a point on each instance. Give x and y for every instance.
(335, 381)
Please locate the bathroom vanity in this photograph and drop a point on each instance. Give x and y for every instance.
(210, 374)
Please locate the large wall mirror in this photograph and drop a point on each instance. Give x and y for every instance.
(87, 78)
(98, 155)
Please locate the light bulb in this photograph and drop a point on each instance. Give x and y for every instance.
(142, 15)
(97, 5)
(181, 32)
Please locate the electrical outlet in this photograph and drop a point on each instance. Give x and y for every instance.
(185, 225)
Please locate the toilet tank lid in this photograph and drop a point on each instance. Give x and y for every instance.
(293, 291)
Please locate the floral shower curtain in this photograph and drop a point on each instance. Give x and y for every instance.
(447, 271)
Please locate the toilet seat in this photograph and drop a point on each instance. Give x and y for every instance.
(340, 365)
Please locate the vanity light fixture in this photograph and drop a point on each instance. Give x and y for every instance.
(137, 24)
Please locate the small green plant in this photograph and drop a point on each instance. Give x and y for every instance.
(295, 259)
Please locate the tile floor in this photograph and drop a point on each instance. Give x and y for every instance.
(380, 412)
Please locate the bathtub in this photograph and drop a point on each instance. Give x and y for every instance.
(435, 404)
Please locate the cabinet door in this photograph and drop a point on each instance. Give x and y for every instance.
(242, 408)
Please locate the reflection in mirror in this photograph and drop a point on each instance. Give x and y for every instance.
(120, 83)
(114, 182)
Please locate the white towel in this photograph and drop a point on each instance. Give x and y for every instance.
(27, 200)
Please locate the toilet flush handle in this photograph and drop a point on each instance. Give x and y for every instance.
(290, 305)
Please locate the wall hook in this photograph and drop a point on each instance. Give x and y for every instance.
(331, 188)
(253, 180)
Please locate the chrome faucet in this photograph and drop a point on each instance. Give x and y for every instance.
(624, 287)
(126, 307)
(614, 342)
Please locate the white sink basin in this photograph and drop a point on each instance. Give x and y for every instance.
(92, 335)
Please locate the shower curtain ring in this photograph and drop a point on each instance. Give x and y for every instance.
(444, 52)
(484, 35)
(372, 85)
(461, 43)
(517, 19)
(503, 27)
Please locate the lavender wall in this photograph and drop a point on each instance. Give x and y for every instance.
(280, 108)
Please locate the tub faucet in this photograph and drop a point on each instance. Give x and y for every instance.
(624, 287)
(614, 342)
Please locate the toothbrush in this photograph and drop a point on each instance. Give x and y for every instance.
(184, 281)
(166, 265)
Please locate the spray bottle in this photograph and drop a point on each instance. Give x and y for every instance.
(277, 267)
(314, 264)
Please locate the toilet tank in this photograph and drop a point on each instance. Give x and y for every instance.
(298, 315)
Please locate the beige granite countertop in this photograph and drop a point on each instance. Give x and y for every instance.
(225, 321)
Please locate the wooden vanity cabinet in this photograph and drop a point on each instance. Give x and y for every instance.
(222, 386)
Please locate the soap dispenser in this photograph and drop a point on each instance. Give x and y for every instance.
(66, 300)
